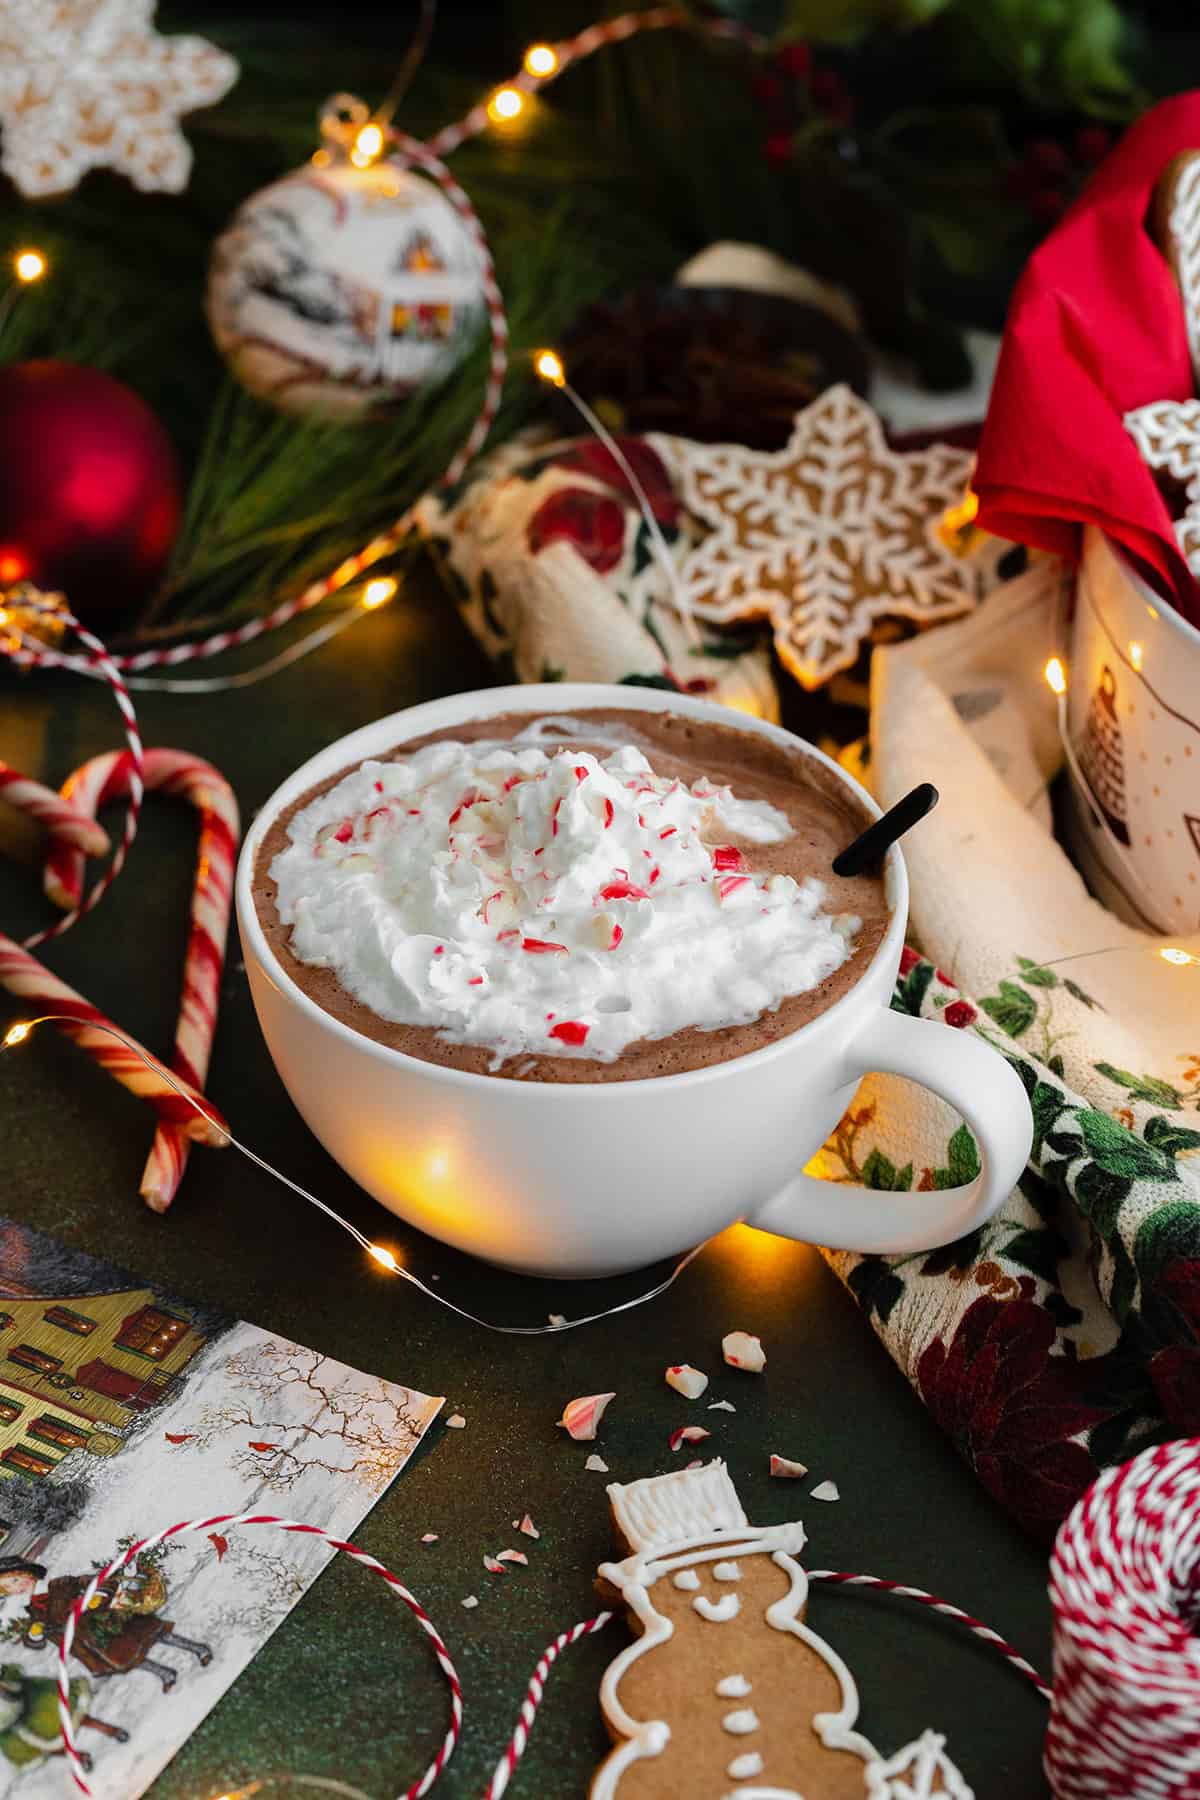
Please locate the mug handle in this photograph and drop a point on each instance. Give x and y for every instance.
(978, 1083)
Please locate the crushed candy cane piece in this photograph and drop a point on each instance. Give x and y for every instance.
(825, 1490)
(471, 1600)
(456, 1422)
(527, 1526)
(721, 1406)
(430, 1537)
(687, 1434)
(694, 1465)
(494, 1566)
(789, 1470)
(581, 1417)
(517, 1556)
(687, 1381)
(742, 1350)
(597, 1464)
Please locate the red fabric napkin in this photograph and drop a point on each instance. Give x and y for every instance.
(1096, 327)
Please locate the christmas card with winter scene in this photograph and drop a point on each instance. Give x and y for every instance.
(124, 1409)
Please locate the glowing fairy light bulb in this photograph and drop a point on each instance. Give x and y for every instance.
(16, 1034)
(1056, 675)
(541, 60)
(383, 1257)
(1136, 655)
(506, 104)
(30, 265)
(1181, 958)
(367, 146)
(378, 592)
(548, 364)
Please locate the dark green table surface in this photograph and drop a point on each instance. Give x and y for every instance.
(346, 1687)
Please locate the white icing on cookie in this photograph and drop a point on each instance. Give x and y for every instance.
(726, 1571)
(740, 1723)
(718, 1612)
(687, 1579)
(743, 1767)
(733, 1687)
(913, 1770)
(671, 1522)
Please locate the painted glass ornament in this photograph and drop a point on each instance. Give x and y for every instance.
(348, 283)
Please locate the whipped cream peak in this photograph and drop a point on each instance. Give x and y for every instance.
(534, 898)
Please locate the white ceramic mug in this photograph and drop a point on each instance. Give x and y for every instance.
(1134, 721)
(595, 1178)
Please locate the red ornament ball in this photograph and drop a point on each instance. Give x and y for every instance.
(90, 494)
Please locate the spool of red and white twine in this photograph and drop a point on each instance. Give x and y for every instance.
(1125, 1586)
(227, 1522)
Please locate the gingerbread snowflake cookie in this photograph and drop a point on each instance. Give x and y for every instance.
(1167, 435)
(825, 536)
(726, 1694)
(1175, 224)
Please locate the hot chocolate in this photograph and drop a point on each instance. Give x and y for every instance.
(604, 897)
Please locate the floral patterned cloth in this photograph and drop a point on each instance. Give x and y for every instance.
(554, 569)
(1064, 1335)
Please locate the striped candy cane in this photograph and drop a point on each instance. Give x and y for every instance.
(228, 1521)
(23, 975)
(28, 653)
(172, 772)
(64, 822)
(92, 786)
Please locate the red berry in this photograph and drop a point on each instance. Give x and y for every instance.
(909, 958)
(1048, 205)
(960, 1013)
(778, 149)
(1091, 144)
(795, 60)
(1047, 157)
(767, 88)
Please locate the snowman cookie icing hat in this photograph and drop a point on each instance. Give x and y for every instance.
(726, 1694)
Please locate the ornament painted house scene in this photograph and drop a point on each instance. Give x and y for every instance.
(600, 810)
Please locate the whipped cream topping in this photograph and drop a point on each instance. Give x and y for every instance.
(534, 899)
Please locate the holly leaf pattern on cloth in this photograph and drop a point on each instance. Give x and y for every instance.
(825, 536)
(1064, 1334)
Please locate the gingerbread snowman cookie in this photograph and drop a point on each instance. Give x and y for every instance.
(725, 1693)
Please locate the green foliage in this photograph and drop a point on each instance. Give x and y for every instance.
(1012, 1008)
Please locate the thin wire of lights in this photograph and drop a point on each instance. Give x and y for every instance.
(386, 1259)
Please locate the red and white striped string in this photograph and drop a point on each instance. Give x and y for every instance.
(228, 1521)
(586, 43)
(428, 157)
(985, 1634)
(26, 651)
(516, 1746)
(1125, 1587)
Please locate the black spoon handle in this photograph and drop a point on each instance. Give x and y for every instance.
(872, 845)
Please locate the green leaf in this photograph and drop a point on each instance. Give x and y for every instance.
(1120, 1152)
(1038, 1250)
(1170, 1138)
(1077, 993)
(1067, 1144)
(1124, 1281)
(1057, 1066)
(910, 995)
(1012, 1008)
(1036, 974)
(1170, 1234)
(1047, 1104)
(879, 1171)
(963, 1157)
(876, 1286)
(1142, 1087)
(1100, 1195)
